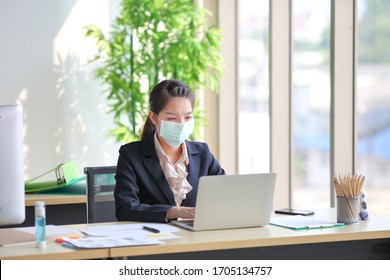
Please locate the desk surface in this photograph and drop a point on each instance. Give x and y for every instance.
(376, 228)
(55, 199)
(72, 194)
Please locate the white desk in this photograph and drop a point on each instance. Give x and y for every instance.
(272, 242)
(366, 240)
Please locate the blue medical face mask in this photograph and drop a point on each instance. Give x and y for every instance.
(175, 133)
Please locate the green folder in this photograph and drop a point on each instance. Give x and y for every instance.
(300, 223)
(65, 175)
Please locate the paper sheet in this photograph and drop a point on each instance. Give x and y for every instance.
(132, 231)
(107, 242)
(14, 236)
(50, 230)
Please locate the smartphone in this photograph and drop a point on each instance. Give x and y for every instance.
(290, 211)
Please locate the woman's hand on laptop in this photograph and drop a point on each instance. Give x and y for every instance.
(181, 212)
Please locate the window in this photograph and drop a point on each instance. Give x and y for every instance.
(253, 86)
(310, 113)
(373, 102)
(312, 118)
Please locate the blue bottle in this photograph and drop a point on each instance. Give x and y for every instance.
(40, 224)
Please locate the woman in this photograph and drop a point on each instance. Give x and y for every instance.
(157, 177)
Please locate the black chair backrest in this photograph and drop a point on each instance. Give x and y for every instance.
(100, 194)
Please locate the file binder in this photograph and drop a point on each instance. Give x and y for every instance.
(63, 175)
(303, 222)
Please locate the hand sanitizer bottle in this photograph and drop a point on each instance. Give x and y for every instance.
(40, 224)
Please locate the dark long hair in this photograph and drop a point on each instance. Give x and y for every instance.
(160, 96)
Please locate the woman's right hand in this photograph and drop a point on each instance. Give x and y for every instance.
(181, 212)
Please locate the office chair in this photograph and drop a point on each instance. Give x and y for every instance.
(100, 194)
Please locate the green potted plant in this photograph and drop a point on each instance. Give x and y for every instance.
(152, 40)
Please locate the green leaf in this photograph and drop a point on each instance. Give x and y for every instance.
(148, 41)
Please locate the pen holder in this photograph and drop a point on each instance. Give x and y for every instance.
(348, 209)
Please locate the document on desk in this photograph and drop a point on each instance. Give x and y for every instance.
(302, 222)
(50, 230)
(140, 231)
(14, 236)
(107, 242)
(18, 235)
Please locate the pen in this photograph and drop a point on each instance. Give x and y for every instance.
(154, 230)
(320, 225)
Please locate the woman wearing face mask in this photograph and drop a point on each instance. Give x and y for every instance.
(157, 177)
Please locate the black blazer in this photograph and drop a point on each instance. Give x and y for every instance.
(142, 193)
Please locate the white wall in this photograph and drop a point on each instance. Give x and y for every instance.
(43, 66)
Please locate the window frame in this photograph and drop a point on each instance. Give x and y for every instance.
(343, 120)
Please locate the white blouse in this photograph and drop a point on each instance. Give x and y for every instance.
(176, 174)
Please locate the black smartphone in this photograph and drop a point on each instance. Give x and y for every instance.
(291, 211)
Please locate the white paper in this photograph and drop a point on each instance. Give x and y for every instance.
(50, 230)
(107, 242)
(132, 231)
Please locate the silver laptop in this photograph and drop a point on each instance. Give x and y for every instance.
(232, 201)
